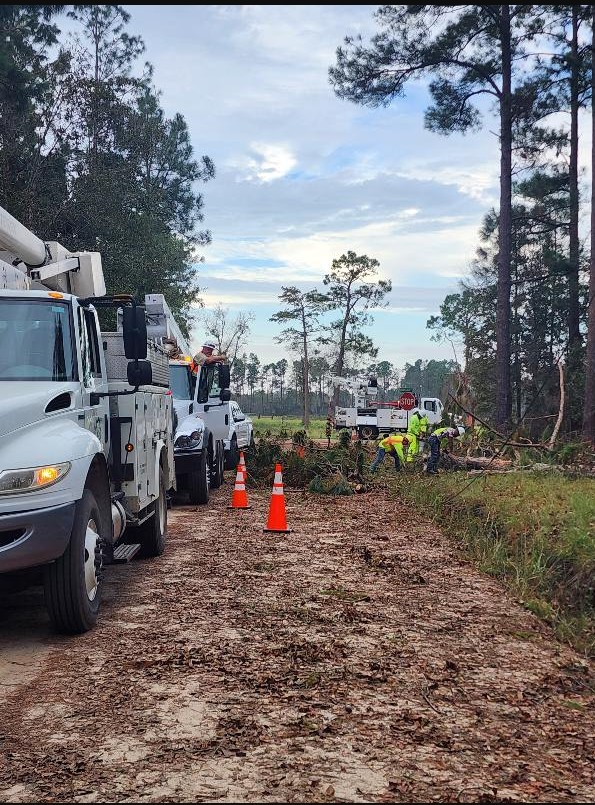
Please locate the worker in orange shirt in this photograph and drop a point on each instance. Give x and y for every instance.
(206, 356)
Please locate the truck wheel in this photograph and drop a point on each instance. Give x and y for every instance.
(199, 481)
(233, 455)
(218, 466)
(151, 534)
(73, 584)
(368, 432)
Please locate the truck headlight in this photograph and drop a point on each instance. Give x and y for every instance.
(189, 442)
(14, 481)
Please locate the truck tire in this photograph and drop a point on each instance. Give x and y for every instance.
(73, 584)
(151, 534)
(199, 482)
(218, 466)
(233, 455)
(368, 432)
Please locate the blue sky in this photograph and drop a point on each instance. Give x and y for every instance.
(303, 176)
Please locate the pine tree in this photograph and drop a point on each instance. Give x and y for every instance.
(352, 289)
(465, 51)
(132, 192)
(33, 156)
(304, 308)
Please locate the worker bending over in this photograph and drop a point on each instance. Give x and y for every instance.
(392, 445)
(416, 430)
(441, 439)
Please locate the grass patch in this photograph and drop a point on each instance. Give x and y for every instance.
(535, 531)
(573, 705)
(286, 426)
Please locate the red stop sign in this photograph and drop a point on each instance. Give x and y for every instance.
(407, 401)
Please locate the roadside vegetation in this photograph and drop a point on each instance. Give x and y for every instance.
(534, 530)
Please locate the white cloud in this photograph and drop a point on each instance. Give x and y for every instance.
(303, 176)
(478, 181)
(271, 162)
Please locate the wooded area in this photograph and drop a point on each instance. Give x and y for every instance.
(87, 154)
(527, 304)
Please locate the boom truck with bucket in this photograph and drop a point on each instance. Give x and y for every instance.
(86, 430)
(201, 406)
(371, 418)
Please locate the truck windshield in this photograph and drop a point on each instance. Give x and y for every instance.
(36, 340)
(182, 382)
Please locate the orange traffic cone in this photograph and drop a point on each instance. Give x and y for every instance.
(243, 466)
(239, 499)
(277, 521)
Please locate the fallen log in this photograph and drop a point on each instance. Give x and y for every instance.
(476, 462)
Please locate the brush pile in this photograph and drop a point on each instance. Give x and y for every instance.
(338, 470)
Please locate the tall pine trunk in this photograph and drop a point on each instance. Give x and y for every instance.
(503, 390)
(340, 364)
(589, 407)
(306, 377)
(574, 336)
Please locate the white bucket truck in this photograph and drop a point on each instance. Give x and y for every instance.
(86, 446)
(371, 418)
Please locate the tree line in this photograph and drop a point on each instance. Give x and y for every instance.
(300, 384)
(277, 388)
(528, 306)
(88, 156)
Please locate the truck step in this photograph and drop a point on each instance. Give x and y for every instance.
(125, 553)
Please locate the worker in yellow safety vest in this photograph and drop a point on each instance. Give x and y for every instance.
(416, 430)
(442, 439)
(391, 445)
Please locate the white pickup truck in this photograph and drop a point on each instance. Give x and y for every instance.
(86, 437)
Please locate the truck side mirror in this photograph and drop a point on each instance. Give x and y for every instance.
(140, 373)
(134, 328)
(224, 376)
(225, 395)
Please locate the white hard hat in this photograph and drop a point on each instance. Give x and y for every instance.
(209, 345)
(461, 430)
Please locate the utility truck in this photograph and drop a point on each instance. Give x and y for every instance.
(201, 404)
(86, 432)
(371, 418)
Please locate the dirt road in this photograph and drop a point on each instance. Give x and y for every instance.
(356, 659)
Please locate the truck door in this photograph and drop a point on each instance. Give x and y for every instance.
(93, 376)
(182, 383)
(216, 415)
(432, 408)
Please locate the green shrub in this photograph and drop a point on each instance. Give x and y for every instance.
(335, 484)
(347, 462)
